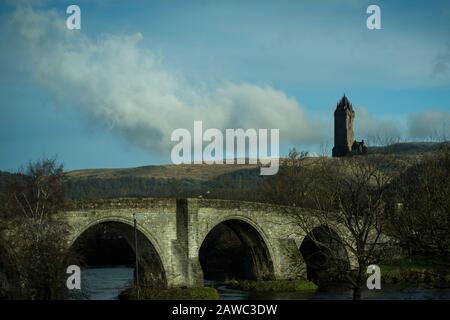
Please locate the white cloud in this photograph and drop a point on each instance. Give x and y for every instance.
(127, 88)
(419, 126)
(432, 124)
(376, 130)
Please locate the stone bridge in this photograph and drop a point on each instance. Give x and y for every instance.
(171, 233)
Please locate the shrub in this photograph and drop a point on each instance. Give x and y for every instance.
(273, 285)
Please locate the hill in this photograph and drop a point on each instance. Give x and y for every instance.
(194, 180)
(407, 148)
(202, 172)
(159, 181)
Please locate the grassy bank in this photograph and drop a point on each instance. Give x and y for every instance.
(417, 270)
(197, 293)
(272, 285)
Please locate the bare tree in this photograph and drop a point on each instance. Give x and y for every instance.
(420, 213)
(349, 195)
(290, 186)
(385, 139)
(38, 191)
(37, 238)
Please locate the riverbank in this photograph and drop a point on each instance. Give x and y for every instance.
(272, 285)
(211, 293)
(417, 271)
(401, 279)
(196, 293)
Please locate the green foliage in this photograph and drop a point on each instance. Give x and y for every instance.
(273, 285)
(196, 293)
(417, 270)
(423, 262)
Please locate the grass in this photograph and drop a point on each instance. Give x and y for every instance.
(417, 270)
(196, 293)
(272, 285)
(205, 172)
(413, 262)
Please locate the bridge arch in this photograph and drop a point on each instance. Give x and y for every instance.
(152, 265)
(235, 247)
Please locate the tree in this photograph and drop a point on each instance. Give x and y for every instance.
(37, 238)
(349, 195)
(8, 274)
(419, 213)
(290, 186)
(38, 191)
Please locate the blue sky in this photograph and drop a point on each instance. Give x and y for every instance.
(110, 94)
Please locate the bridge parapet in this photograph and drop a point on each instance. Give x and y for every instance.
(121, 203)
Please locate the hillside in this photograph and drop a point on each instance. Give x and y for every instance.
(159, 181)
(202, 172)
(194, 180)
(407, 148)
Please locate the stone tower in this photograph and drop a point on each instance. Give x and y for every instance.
(343, 128)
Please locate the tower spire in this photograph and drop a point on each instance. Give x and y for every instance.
(343, 127)
(344, 104)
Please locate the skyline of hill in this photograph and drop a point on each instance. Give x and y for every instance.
(189, 180)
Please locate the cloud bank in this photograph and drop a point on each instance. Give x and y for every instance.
(127, 89)
(377, 130)
(431, 124)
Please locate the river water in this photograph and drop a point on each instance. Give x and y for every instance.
(107, 282)
(104, 283)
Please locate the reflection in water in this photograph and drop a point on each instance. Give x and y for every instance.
(225, 292)
(107, 283)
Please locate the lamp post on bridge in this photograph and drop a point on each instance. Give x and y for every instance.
(137, 256)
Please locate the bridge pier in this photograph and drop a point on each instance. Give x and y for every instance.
(289, 261)
(184, 246)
